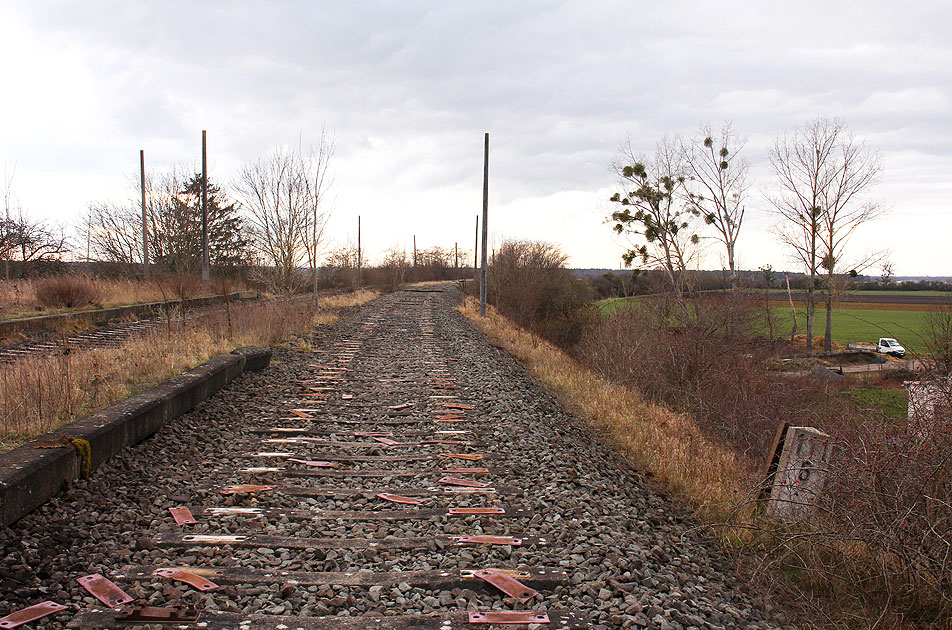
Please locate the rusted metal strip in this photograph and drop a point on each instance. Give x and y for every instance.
(466, 483)
(26, 615)
(216, 620)
(463, 471)
(344, 474)
(507, 584)
(300, 414)
(182, 516)
(192, 579)
(467, 511)
(457, 406)
(166, 539)
(470, 457)
(245, 489)
(437, 579)
(389, 442)
(490, 540)
(401, 406)
(104, 590)
(508, 617)
(155, 614)
(314, 463)
(396, 498)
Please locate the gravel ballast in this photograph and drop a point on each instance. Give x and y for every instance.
(632, 558)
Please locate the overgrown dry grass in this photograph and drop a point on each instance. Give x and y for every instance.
(657, 440)
(18, 298)
(43, 393)
(345, 300)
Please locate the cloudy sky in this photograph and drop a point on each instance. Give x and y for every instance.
(409, 87)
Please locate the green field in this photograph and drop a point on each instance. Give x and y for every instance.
(849, 325)
(857, 325)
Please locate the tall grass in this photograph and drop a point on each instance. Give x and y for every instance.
(697, 406)
(663, 443)
(41, 393)
(23, 297)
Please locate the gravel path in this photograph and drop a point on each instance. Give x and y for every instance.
(601, 549)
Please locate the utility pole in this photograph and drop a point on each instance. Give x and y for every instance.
(359, 259)
(414, 251)
(145, 221)
(204, 211)
(456, 249)
(482, 283)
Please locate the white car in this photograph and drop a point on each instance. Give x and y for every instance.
(891, 347)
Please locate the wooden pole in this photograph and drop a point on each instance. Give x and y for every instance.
(145, 220)
(359, 260)
(483, 273)
(204, 211)
(414, 251)
(456, 272)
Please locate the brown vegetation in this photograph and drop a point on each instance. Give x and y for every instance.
(697, 404)
(39, 394)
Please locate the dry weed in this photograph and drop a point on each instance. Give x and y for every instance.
(344, 300)
(658, 441)
(42, 393)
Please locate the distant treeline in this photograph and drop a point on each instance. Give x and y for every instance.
(610, 283)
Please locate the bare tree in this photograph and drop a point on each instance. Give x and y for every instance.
(35, 240)
(718, 184)
(316, 164)
(855, 168)
(283, 193)
(657, 213)
(823, 174)
(115, 232)
(6, 226)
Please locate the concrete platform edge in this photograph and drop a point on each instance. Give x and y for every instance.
(29, 476)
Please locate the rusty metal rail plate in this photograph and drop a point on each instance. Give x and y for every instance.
(182, 516)
(396, 498)
(508, 617)
(475, 510)
(154, 614)
(507, 584)
(26, 615)
(188, 577)
(490, 540)
(215, 620)
(104, 590)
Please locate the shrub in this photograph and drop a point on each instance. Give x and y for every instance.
(529, 284)
(67, 291)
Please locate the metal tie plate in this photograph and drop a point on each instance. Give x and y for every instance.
(507, 584)
(475, 510)
(26, 615)
(192, 579)
(155, 614)
(489, 540)
(314, 463)
(463, 471)
(466, 483)
(245, 489)
(104, 590)
(507, 617)
(396, 498)
(182, 516)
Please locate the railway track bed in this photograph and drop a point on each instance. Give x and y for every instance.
(404, 475)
